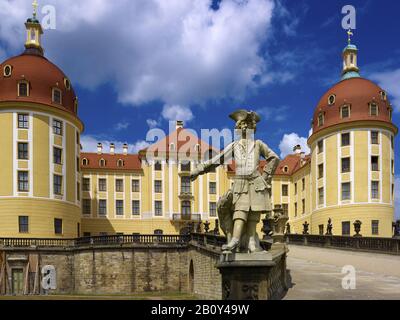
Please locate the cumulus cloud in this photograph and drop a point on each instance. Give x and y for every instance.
(277, 114)
(291, 140)
(122, 125)
(89, 144)
(390, 81)
(153, 123)
(397, 196)
(176, 112)
(178, 52)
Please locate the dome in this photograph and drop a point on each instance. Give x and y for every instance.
(358, 94)
(42, 75)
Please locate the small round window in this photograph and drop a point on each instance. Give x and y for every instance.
(285, 169)
(7, 71)
(67, 84)
(331, 99)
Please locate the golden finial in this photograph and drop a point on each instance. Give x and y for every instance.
(35, 6)
(349, 34)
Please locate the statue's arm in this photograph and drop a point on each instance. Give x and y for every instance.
(202, 168)
(272, 161)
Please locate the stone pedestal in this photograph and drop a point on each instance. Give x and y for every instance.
(257, 276)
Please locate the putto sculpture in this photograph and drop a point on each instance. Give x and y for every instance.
(240, 209)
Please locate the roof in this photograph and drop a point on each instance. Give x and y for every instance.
(131, 162)
(293, 163)
(42, 76)
(358, 93)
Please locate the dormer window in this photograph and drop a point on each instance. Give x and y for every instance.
(67, 84)
(23, 89)
(373, 109)
(383, 95)
(85, 162)
(331, 99)
(57, 96)
(286, 169)
(76, 105)
(345, 112)
(120, 163)
(102, 163)
(321, 119)
(7, 71)
(197, 148)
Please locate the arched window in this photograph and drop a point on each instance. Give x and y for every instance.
(85, 162)
(286, 169)
(373, 109)
(158, 232)
(23, 89)
(383, 95)
(102, 163)
(7, 71)
(345, 111)
(120, 163)
(321, 119)
(57, 96)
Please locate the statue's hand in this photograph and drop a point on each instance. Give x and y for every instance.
(194, 174)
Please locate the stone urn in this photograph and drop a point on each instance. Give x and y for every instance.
(206, 226)
(306, 225)
(329, 228)
(279, 225)
(357, 228)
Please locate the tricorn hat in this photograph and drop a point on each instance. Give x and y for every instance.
(244, 115)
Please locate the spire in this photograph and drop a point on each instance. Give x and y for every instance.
(33, 33)
(350, 69)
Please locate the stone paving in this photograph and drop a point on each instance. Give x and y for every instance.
(316, 274)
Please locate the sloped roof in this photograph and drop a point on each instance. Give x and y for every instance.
(131, 162)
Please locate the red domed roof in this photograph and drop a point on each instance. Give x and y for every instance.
(358, 93)
(42, 76)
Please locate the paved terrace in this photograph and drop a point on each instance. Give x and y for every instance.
(316, 274)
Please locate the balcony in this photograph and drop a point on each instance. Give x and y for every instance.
(186, 195)
(186, 217)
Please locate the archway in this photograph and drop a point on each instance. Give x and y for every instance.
(191, 277)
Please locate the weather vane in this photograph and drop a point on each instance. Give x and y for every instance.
(350, 34)
(35, 6)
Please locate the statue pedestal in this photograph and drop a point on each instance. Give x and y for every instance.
(257, 276)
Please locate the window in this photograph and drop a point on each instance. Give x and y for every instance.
(23, 224)
(102, 207)
(78, 191)
(78, 141)
(119, 207)
(374, 137)
(67, 84)
(346, 193)
(185, 167)
(375, 163)
(320, 146)
(392, 167)
(78, 169)
(321, 196)
(286, 169)
(186, 208)
(57, 155)
(135, 207)
(119, 185)
(158, 208)
(185, 185)
(295, 209)
(213, 209)
(23, 181)
(158, 232)
(57, 184)
(303, 184)
(345, 165)
(390, 114)
(86, 206)
(392, 141)
(58, 226)
(23, 153)
(102, 163)
(85, 162)
(320, 171)
(321, 229)
(303, 206)
(57, 127)
(157, 186)
(212, 187)
(285, 208)
(285, 190)
(57, 96)
(383, 95)
(86, 184)
(345, 112)
(321, 119)
(331, 99)
(295, 188)
(7, 71)
(375, 227)
(157, 166)
(23, 121)
(346, 228)
(375, 190)
(120, 163)
(135, 185)
(373, 109)
(23, 89)
(103, 185)
(345, 139)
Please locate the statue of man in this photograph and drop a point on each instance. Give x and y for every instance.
(251, 191)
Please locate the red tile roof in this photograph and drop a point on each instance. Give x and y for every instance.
(131, 161)
(293, 163)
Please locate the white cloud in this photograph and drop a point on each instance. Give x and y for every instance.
(397, 196)
(390, 81)
(153, 123)
(176, 112)
(277, 114)
(178, 52)
(89, 144)
(289, 141)
(122, 126)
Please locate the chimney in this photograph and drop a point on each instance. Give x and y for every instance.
(112, 149)
(179, 125)
(125, 149)
(99, 148)
(297, 149)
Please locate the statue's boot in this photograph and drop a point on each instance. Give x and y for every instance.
(231, 246)
(254, 242)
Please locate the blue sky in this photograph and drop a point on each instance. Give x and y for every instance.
(137, 64)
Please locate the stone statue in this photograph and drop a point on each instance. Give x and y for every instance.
(305, 228)
(329, 227)
(240, 209)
